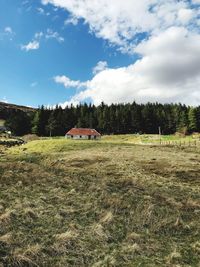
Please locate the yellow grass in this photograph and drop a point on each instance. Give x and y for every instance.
(99, 203)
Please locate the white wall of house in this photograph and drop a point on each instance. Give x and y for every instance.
(82, 137)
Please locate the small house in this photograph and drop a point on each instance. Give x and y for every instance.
(83, 133)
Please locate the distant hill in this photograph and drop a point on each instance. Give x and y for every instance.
(16, 118)
(8, 106)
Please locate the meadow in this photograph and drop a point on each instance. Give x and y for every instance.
(115, 202)
(2, 122)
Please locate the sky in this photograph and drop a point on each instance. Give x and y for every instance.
(115, 51)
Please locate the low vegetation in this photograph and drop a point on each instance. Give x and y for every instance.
(101, 203)
(2, 122)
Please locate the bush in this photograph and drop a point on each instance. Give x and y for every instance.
(30, 137)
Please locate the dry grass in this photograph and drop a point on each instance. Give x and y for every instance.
(196, 247)
(29, 212)
(131, 249)
(25, 257)
(66, 237)
(6, 217)
(174, 257)
(106, 218)
(108, 203)
(6, 239)
(133, 237)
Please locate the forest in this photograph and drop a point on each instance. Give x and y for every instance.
(107, 119)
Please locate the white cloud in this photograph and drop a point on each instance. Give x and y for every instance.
(113, 20)
(8, 30)
(196, 1)
(67, 103)
(4, 100)
(168, 45)
(38, 35)
(101, 65)
(34, 45)
(120, 21)
(162, 74)
(67, 82)
(71, 20)
(7, 33)
(40, 10)
(54, 35)
(185, 15)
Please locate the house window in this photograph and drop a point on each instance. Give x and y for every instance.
(80, 136)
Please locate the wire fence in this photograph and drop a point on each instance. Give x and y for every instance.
(188, 143)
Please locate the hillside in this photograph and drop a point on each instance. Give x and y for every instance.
(16, 118)
(8, 106)
(98, 204)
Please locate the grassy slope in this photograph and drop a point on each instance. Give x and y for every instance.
(109, 203)
(149, 138)
(2, 122)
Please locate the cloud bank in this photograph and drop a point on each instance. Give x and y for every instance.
(164, 33)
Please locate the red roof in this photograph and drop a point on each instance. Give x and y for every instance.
(83, 131)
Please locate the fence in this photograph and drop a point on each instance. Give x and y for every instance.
(188, 143)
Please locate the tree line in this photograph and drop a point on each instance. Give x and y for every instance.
(107, 119)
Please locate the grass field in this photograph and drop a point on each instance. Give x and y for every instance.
(149, 138)
(2, 122)
(99, 204)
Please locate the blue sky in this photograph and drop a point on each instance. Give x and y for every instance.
(49, 50)
(26, 77)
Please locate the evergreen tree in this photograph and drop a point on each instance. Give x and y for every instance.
(113, 119)
(192, 118)
(19, 123)
(40, 121)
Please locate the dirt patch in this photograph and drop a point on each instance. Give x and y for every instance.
(189, 176)
(156, 167)
(80, 163)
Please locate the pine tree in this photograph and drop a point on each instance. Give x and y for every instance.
(192, 118)
(51, 125)
(19, 123)
(118, 118)
(40, 121)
